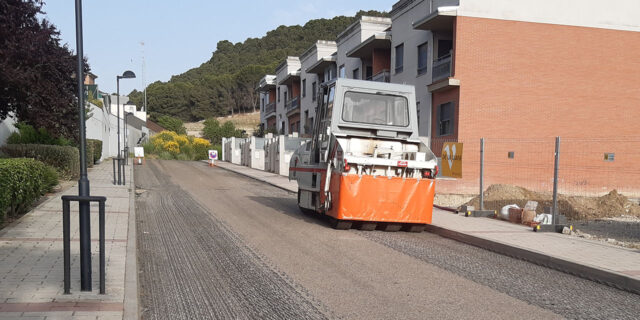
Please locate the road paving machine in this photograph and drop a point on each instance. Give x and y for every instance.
(365, 166)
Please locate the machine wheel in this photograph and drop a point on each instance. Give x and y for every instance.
(391, 227)
(367, 226)
(417, 228)
(339, 224)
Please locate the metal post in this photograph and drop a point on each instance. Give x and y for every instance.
(102, 253)
(118, 120)
(66, 244)
(554, 213)
(83, 182)
(481, 174)
(114, 170)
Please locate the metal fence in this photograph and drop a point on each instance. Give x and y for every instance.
(598, 179)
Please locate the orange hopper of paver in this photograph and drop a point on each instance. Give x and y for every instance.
(366, 166)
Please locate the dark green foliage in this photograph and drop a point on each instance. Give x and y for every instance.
(226, 83)
(27, 134)
(215, 132)
(65, 159)
(97, 149)
(36, 70)
(172, 124)
(22, 182)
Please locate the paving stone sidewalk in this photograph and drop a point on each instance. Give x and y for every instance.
(31, 260)
(591, 259)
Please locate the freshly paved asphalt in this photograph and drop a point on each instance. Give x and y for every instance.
(214, 244)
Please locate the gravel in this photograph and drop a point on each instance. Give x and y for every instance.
(193, 267)
(567, 295)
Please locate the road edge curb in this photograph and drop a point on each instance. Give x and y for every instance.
(609, 278)
(131, 303)
(256, 178)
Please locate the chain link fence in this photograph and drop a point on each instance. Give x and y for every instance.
(598, 179)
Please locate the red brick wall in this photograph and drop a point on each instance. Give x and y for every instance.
(294, 119)
(271, 122)
(295, 89)
(526, 83)
(521, 79)
(381, 60)
(272, 95)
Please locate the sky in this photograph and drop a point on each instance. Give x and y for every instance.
(175, 36)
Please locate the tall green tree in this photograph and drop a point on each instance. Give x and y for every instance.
(226, 84)
(36, 71)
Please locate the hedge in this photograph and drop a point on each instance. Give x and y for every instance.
(97, 149)
(22, 182)
(65, 159)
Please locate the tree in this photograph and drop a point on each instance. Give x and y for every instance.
(226, 84)
(215, 132)
(172, 124)
(36, 71)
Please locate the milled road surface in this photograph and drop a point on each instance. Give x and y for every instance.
(217, 245)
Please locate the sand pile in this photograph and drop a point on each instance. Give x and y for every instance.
(612, 204)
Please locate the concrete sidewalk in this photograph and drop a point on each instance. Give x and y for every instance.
(594, 260)
(31, 260)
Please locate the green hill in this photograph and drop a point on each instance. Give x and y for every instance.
(226, 83)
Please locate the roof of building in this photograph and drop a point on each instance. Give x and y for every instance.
(154, 127)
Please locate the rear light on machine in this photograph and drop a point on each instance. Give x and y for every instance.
(346, 165)
(426, 173)
(436, 171)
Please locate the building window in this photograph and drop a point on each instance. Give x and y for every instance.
(341, 72)
(304, 88)
(278, 94)
(423, 51)
(356, 73)
(313, 91)
(418, 112)
(399, 58)
(369, 72)
(262, 105)
(445, 119)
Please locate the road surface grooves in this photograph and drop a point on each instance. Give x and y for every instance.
(192, 266)
(350, 275)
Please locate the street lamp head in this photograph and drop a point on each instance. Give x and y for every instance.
(127, 75)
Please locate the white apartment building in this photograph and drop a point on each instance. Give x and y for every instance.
(353, 67)
(288, 95)
(267, 90)
(317, 61)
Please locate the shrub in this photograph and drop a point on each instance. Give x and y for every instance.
(27, 134)
(172, 124)
(22, 182)
(65, 159)
(97, 149)
(170, 145)
(215, 132)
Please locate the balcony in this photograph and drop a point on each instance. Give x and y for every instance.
(441, 68)
(293, 105)
(270, 109)
(382, 76)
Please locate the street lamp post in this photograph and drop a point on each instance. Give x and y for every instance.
(126, 75)
(83, 182)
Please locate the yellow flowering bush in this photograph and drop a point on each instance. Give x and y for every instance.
(170, 145)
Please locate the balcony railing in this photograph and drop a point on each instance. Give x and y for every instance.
(382, 76)
(441, 68)
(269, 109)
(292, 104)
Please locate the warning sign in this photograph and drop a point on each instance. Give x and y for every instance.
(452, 159)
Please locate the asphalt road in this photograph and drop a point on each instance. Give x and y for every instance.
(216, 245)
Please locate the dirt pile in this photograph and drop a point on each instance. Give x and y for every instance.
(612, 204)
